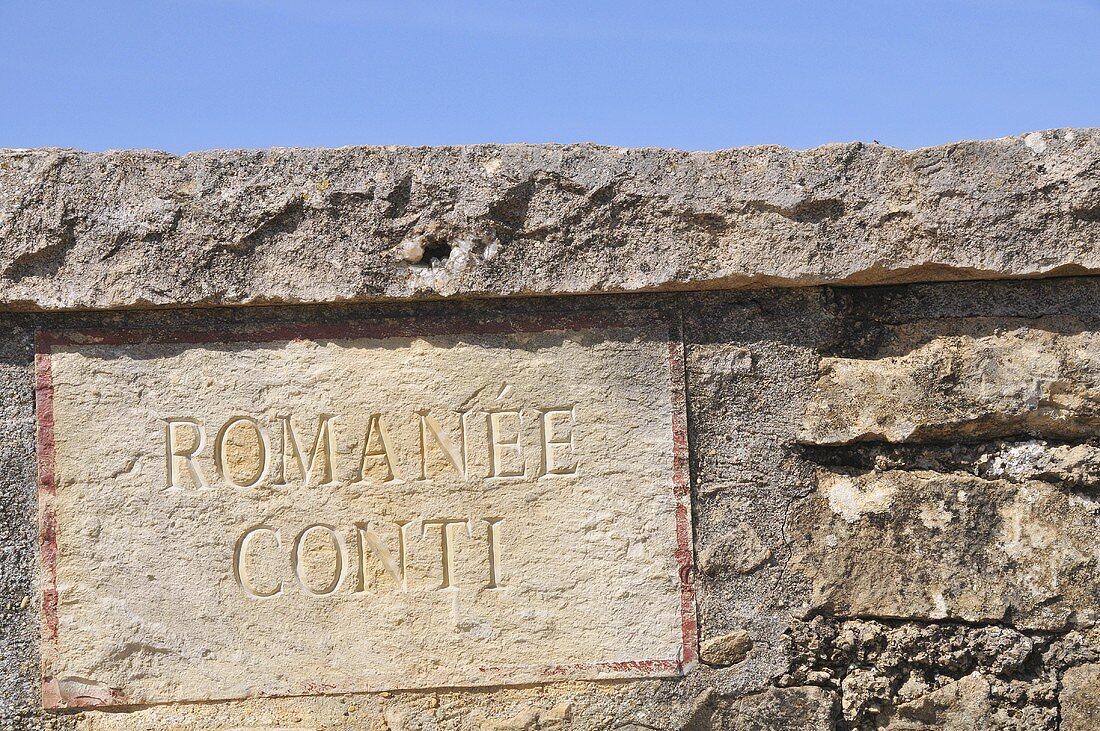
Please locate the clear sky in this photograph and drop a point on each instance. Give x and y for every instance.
(184, 75)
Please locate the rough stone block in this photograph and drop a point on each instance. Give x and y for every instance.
(131, 228)
(948, 546)
(1080, 698)
(962, 705)
(784, 709)
(1015, 380)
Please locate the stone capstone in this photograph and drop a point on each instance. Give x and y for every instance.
(138, 229)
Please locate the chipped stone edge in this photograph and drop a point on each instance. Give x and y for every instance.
(399, 273)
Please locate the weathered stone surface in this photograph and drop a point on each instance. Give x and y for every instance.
(506, 710)
(783, 709)
(1072, 466)
(928, 545)
(910, 672)
(19, 560)
(1076, 465)
(397, 505)
(741, 551)
(1080, 698)
(977, 378)
(962, 705)
(123, 229)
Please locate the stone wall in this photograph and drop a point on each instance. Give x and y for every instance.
(891, 400)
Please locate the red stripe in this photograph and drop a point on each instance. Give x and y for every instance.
(47, 518)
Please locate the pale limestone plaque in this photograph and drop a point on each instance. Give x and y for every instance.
(363, 506)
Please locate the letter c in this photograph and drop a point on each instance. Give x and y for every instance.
(238, 561)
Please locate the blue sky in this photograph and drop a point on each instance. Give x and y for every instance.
(183, 75)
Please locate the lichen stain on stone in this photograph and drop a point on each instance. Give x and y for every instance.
(851, 500)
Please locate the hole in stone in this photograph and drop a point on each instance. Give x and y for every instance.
(436, 250)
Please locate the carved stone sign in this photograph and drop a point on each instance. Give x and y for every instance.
(370, 506)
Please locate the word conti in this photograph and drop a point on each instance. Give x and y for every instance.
(367, 542)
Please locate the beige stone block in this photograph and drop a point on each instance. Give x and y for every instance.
(1080, 698)
(376, 506)
(985, 380)
(728, 649)
(926, 545)
(961, 705)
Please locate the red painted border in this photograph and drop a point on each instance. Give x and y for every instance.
(47, 521)
(681, 488)
(47, 341)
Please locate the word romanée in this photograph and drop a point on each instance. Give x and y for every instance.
(517, 443)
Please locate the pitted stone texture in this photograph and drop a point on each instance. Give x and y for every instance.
(924, 545)
(18, 550)
(1073, 466)
(925, 675)
(126, 229)
(782, 709)
(973, 379)
(499, 506)
(1080, 698)
(962, 705)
